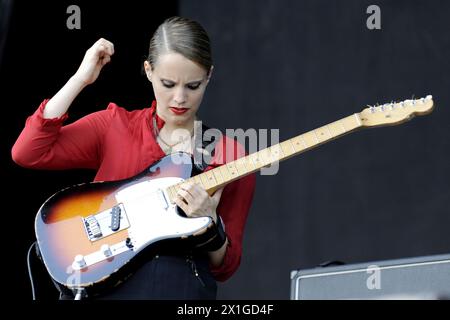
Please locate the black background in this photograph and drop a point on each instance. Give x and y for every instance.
(289, 65)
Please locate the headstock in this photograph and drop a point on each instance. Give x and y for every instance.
(395, 113)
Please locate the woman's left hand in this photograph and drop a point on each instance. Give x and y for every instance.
(196, 202)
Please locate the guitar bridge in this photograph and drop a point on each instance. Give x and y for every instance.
(105, 223)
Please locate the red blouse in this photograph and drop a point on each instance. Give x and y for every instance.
(120, 144)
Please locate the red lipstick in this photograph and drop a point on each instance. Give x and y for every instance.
(178, 111)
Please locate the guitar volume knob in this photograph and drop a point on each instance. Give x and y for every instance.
(106, 250)
(79, 261)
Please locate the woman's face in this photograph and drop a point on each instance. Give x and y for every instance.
(179, 85)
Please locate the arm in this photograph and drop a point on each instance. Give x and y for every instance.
(45, 144)
(234, 209)
(94, 60)
(195, 202)
(231, 203)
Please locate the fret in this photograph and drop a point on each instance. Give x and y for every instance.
(232, 169)
(329, 132)
(292, 145)
(320, 134)
(284, 146)
(256, 161)
(316, 136)
(240, 166)
(298, 144)
(302, 139)
(218, 175)
(204, 179)
(310, 139)
(337, 128)
(358, 120)
(265, 157)
(230, 172)
(210, 177)
(323, 133)
(243, 161)
(197, 180)
(249, 163)
(350, 123)
(224, 178)
(225, 173)
(276, 152)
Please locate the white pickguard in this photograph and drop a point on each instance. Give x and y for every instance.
(151, 215)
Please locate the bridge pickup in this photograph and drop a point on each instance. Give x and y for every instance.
(92, 227)
(105, 223)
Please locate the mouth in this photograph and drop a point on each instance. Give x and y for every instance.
(178, 111)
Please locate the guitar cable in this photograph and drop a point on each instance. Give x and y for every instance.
(30, 275)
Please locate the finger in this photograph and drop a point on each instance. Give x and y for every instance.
(185, 195)
(104, 47)
(105, 60)
(179, 202)
(101, 51)
(197, 191)
(188, 187)
(109, 47)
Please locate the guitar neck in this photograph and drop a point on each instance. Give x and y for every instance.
(218, 177)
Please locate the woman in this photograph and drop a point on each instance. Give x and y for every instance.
(120, 144)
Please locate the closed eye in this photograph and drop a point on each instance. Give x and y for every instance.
(167, 84)
(194, 86)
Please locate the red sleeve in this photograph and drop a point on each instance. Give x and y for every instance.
(234, 208)
(47, 144)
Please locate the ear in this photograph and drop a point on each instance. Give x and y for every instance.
(210, 74)
(148, 70)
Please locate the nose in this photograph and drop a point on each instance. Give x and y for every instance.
(180, 96)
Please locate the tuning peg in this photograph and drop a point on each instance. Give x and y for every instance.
(429, 97)
(385, 106)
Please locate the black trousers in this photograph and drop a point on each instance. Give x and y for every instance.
(166, 277)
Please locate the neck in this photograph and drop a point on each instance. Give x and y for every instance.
(173, 135)
(170, 127)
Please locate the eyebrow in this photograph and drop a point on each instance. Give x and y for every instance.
(191, 82)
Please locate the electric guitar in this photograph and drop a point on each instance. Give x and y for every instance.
(93, 235)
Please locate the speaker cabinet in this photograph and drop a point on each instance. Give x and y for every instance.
(411, 278)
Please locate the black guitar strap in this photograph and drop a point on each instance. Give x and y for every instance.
(205, 145)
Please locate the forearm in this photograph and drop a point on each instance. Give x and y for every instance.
(60, 103)
(216, 257)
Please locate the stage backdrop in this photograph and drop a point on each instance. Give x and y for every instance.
(288, 65)
(296, 65)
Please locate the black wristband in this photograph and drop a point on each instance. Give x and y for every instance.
(219, 238)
